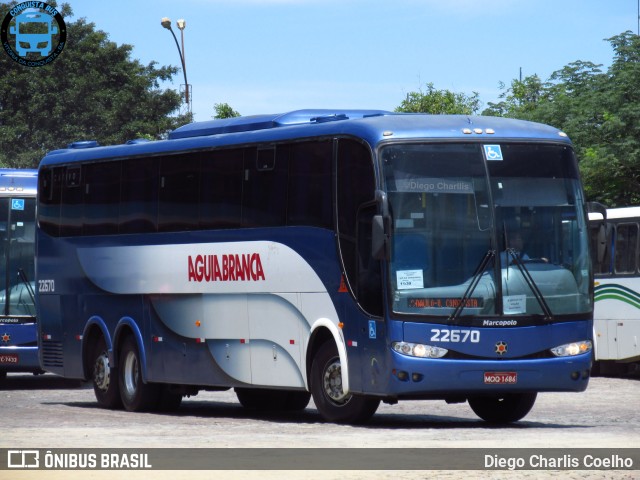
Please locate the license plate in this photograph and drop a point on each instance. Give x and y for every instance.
(9, 359)
(500, 377)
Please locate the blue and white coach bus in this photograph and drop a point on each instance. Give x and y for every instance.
(616, 262)
(355, 256)
(18, 330)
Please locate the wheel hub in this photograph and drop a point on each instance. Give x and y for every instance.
(333, 382)
(130, 374)
(102, 372)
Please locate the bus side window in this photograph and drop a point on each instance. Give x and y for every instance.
(369, 274)
(101, 198)
(626, 248)
(49, 187)
(179, 184)
(264, 195)
(221, 179)
(309, 201)
(139, 196)
(71, 209)
(355, 189)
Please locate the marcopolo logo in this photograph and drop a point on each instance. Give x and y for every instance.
(33, 34)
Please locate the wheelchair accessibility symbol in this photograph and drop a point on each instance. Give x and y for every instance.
(493, 152)
(372, 329)
(17, 204)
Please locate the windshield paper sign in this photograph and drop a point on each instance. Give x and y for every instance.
(434, 185)
(409, 279)
(515, 304)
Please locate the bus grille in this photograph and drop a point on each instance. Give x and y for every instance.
(52, 354)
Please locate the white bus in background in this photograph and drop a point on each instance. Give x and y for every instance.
(616, 261)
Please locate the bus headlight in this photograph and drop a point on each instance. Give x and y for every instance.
(419, 350)
(571, 349)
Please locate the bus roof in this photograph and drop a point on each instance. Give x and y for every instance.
(617, 213)
(373, 126)
(18, 180)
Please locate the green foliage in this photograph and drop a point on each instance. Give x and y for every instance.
(520, 100)
(439, 102)
(599, 110)
(224, 110)
(93, 90)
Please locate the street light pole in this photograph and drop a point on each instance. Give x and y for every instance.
(181, 24)
(166, 23)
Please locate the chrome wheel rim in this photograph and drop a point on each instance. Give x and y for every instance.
(130, 374)
(332, 382)
(102, 372)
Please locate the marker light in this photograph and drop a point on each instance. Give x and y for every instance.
(419, 350)
(572, 349)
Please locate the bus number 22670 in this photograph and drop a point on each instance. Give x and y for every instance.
(455, 336)
(46, 286)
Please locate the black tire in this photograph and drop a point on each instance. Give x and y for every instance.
(169, 400)
(296, 401)
(104, 376)
(249, 398)
(3, 375)
(326, 388)
(503, 409)
(136, 395)
(272, 400)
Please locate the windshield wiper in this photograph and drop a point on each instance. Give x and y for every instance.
(27, 284)
(530, 283)
(475, 279)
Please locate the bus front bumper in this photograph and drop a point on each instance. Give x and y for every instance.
(19, 359)
(412, 376)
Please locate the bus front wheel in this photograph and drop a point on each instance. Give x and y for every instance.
(136, 395)
(326, 388)
(104, 377)
(506, 408)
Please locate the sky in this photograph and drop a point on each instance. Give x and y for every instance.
(274, 56)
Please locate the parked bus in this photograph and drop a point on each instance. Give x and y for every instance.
(614, 237)
(18, 331)
(352, 256)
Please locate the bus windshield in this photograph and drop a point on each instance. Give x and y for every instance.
(17, 231)
(465, 214)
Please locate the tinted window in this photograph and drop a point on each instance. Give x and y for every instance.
(101, 198)
(139, 196)
(179, 193)
(71, 211)
(265, 187)
(356, 189)
(626, 248)
(309, 201)
(49, 191)
(221, 181)
(287, 184)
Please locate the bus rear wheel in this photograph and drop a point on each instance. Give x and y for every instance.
(104, 377)
(136, 395)
(326, 387)
(503, 408)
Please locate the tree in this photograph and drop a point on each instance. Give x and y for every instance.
(93, 90)
(520, 100)
(224, 110)
(600, 111)
(439, 102)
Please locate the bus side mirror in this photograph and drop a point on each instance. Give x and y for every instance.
(380, 228)
(601, 243)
